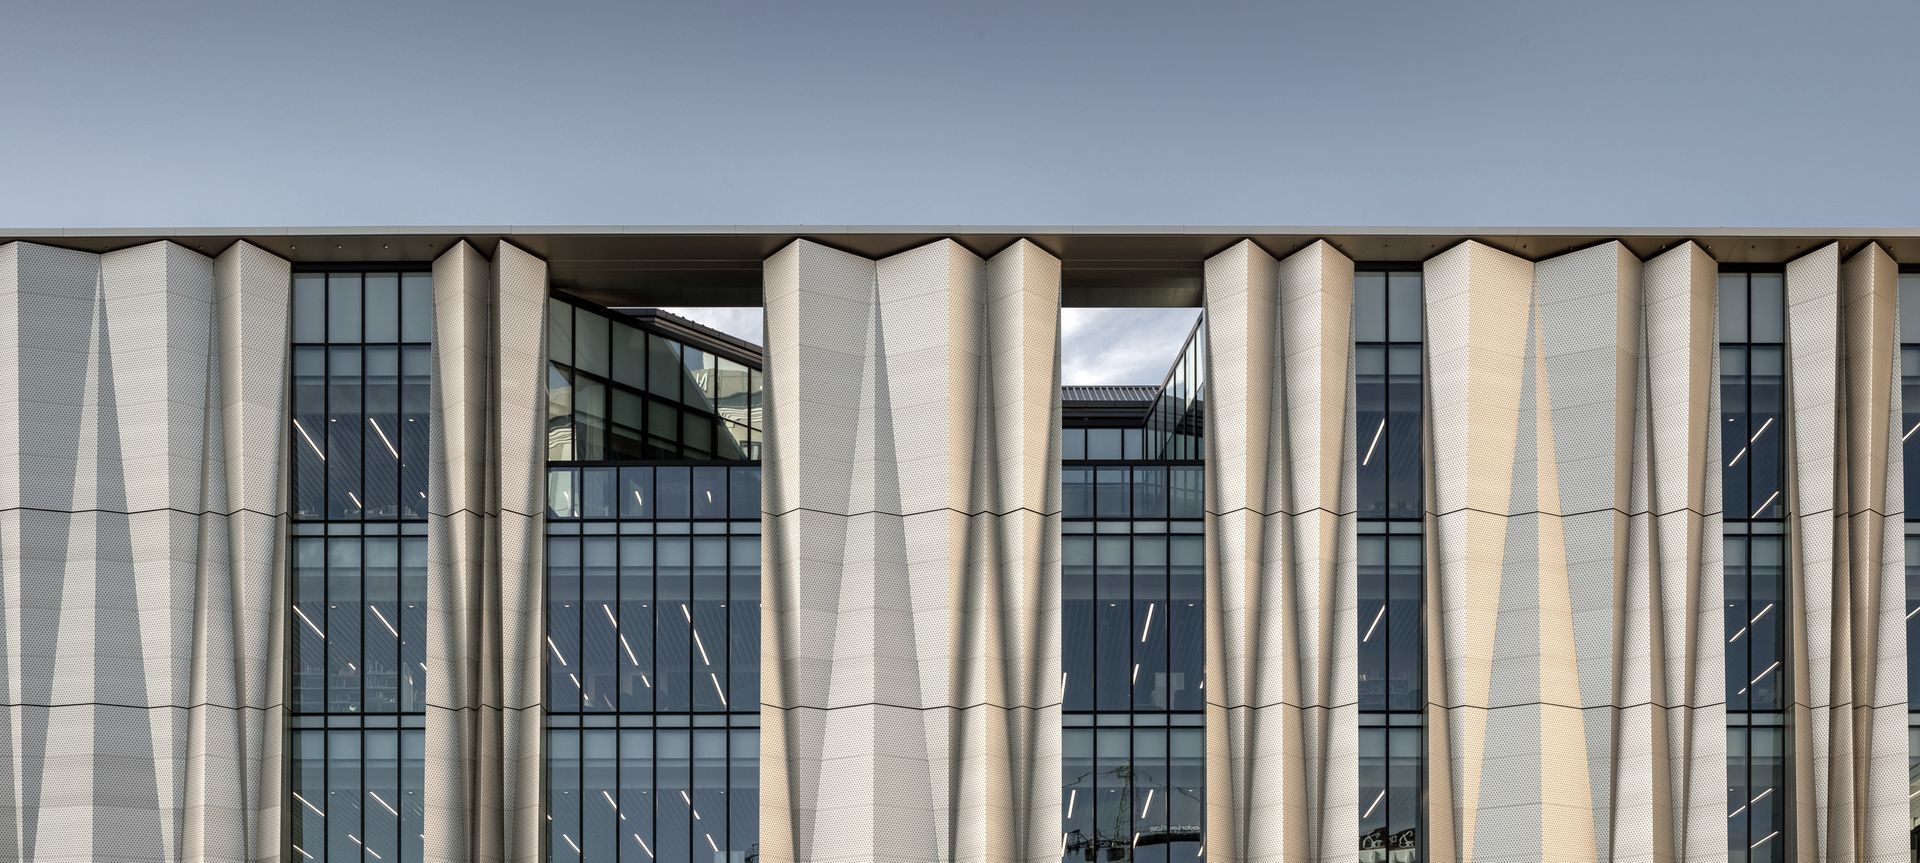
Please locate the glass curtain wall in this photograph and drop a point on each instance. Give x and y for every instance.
(1910, 453)
(1387, 326)
(619, 391)
(653, 612)
(357, 619)
(1133, 765)
(1752, 317)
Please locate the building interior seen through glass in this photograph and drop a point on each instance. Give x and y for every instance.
(1910, 467)
(1752, 320)
(1388, 392)
(357, 614)
(1133, 767)
(653, 589)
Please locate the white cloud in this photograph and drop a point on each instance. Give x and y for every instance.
(741, 322)
(1121, 346)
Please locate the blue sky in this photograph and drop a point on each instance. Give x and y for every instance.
(1373, 112)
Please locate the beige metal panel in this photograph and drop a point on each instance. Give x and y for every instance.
(1674, 557)
(911, 663)
(1282, 768)
(485, 554)
(1846, 638)
(141, 631)
(1574, 656)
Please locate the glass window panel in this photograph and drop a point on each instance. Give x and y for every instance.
(696, 435)
(1189, 498)
(1073, 444)
(673, 489)
(413, 624)
(560, 331)
(1077, 794)
(743, 794)
(589, 419)
(1733, 307)
(1765, 670)
(1370, 307)
(697, 385)
(1076, 492)
(1913, 624)
(624, 437)
(1404, 780)
(599, 810)
(1187, 793)
(309, 308)
(1373, 795)
(380, 805)
(1735, 595)
(383, 309)
(1765, 400)
(1910, 413)
(309, 432)
(343, 625)
(629, 355)
(1076, 622)
(710, 492)
(673, 644)
(636, 492)
(381, 489)
(756, 396)
(1370, 412)
(1113, 624)
(1103, 444)
(744, 618)
(1766, 307)
(307, 785)
(744, 496)
(563, 624)
(1910, 307)
(343, 307)
(1403, 307)
(1150, 677)
(599, 487)
(599, 623)
(636, 624)
(637, 797)
(416, 433)
(1149, 492)
(343, 806)
(1734, 447)
(563, 500)
(710, 623)
(1403, 433)
(732, 442)
(1186, 624)
(663, 430)
(1372, 582)
(1403, 626)
(1110, 492)
(416, 307)
(380, 625)
(1130, 444)
(559, 413)
(563, 794)
(673, 756)
(309, 642)
(344, 386)
(590, 342)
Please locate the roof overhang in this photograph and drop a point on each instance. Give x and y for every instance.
(1100, 265)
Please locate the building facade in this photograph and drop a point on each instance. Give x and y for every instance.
(1431, 547)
